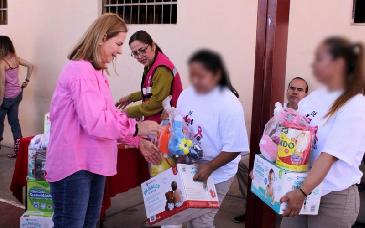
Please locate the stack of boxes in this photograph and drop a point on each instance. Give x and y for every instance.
(39, 200)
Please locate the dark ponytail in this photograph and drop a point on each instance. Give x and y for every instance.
(213, 62)
(353, 56)
(6, 47)
(144, 37)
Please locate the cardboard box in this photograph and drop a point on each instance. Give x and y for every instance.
(270, 183)
(31, 220)
(46, 124)
(39, 199)
(172, 197)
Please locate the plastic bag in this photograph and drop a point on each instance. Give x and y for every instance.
(288, 139)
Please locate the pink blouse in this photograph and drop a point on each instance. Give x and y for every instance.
(85, 125)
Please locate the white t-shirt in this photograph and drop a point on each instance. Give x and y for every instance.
(219, 118)
(342, 136)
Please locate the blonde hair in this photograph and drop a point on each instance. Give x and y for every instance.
(105, 27)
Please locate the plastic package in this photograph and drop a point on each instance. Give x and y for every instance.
(288, 139)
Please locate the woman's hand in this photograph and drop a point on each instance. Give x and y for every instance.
(148, 128)
(204, 171)
(295, 200)
(251, 175)
(24, 85)
(150, 152)
(123, 102)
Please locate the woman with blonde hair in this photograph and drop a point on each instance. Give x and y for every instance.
(86, 126)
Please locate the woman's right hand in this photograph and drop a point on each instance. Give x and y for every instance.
(150, 152)
(148, 128)
(123, 102)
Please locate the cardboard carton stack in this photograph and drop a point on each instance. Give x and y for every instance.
(39, 200)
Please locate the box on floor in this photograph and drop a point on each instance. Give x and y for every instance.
(35, 220)
(39, 199)
(172, 197)
(270, 183)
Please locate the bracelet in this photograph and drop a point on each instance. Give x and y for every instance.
(137, 130)
(302, 191)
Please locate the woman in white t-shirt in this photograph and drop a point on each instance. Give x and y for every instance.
(215, 115)
(338, 110)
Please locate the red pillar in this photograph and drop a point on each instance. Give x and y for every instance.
(269, 87)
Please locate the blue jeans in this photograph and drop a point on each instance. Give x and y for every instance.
(77, 200)
(10, 107)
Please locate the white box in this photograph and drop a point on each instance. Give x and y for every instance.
(30, 220)
(46, 124)
(167, 205)
(270, 183)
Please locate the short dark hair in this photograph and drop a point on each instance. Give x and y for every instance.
(300, 78)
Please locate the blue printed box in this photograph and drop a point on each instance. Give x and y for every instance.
(270, 183)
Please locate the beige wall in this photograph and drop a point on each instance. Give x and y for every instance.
(310, 22)
(44, 32)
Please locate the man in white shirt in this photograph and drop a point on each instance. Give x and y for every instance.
(297, 89)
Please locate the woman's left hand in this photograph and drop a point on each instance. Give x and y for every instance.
(204, 171)
(150, 152)
(295, 200)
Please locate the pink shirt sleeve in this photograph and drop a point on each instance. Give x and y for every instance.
(97, 116)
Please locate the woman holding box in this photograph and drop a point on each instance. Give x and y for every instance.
(213, 112)
(339, 112)
(86, 126)
(160, 79)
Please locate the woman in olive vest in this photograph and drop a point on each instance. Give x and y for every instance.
(160, 79)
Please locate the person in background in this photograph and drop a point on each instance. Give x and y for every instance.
(86, 125)
(11, 91)
(212, 109)
(338, 109)
(159, 80)
(297, 89)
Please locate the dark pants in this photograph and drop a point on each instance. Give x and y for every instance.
(77, 200)
(10, 107)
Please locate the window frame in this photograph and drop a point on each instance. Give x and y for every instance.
(6, 10)
(353, 14)
(161, 3)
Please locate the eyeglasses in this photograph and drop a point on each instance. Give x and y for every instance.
(140, 52)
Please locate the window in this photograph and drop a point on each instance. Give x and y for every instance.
(143, 11)
(358, 15)
(3, 12)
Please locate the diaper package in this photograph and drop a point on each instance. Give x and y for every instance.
(173, 197)
(271, 182)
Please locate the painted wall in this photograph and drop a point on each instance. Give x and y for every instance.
(45, 31)
(311, 21)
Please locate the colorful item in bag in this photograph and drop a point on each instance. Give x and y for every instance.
(166, 163)
(164, 139)
(294, 149)
(272, 139)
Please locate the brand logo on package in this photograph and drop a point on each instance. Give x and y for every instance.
(39, 193)
(151, 187)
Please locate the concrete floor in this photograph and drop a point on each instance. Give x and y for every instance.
(127, 210)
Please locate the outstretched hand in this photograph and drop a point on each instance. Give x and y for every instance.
(150, 152)
(123, 102)
(148, 128)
